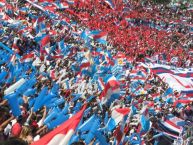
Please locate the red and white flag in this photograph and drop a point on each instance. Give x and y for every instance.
(45, 40)
(62, 134)
(111, 87)
(28, 57)
(53, 74)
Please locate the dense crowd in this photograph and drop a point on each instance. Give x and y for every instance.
(140, 38)
(63, 75)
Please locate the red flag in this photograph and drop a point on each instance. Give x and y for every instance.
(100, 35)
(84, 65)
(52, 74)
(45, 40)
(15, 48)
(111, 87)
(28, 57)
(62, 134)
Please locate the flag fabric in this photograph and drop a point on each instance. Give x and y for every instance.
(171, 126)
(178, 79)
(101, 37)
(13, 58)
(183, 101)
(110, 3)
(28, 57)
(62, 134)
(160, 69)
(45, 40)
(101, 138)
(53, 74)
(168, 92)
(92, 130)
(181, 84)
(87, 124)
(85, 64)
(117, 116)
(13, 87)
(14, 104)
(145, 124)
(176, 120)
(2, 3)
(111, 87)
(101, 84)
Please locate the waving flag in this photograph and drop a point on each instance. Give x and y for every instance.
(15, 48)
(117, 115)
(84, 35)
(100, 137)
(101, 37)
(183, 101)
(161, 69)
(45, 40)
(62, 134)
(13, 58)
(53, 74)
(38, 23)
(145, 124)
(110, 3)
(14, 104)
(87, 124)
(24, 10)
(28, 57)
(171, 126)
(101, 84)
(178, 79)
(111, 87)
(61, 45)
(5, 17)
(177, 121)
(94, 127)
(184, 85)
(13, 87)
(168, 92)
(85, 64)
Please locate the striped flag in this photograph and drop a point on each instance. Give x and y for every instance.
(53, 74)
(62, 134)
(178, 79)
(45, 40)
(117, 116)
(101, 84)
(171, 126)
(101, 37)
(111, 87)
(28, 57)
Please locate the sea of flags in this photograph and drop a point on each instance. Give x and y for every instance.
(108, 74)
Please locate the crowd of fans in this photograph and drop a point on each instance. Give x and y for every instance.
(143, 36)
(140, 30)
